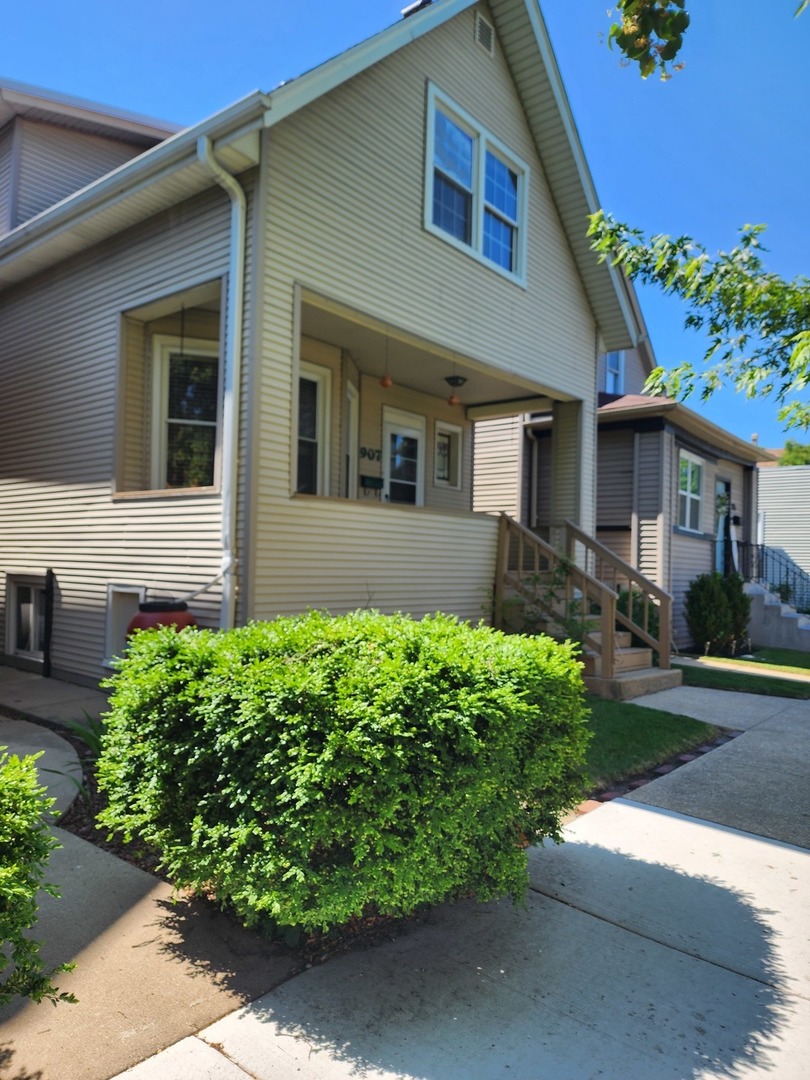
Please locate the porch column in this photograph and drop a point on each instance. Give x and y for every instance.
(573, 483)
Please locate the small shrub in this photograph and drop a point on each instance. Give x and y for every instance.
(717, 612)
(25, 846)
(637, 612)
(308, 770)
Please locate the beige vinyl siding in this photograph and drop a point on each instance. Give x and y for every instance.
(55, 162)
(784, 503)
(6, 147)
(635, 373)
(498, 466)
(58, 443)
(344, 219)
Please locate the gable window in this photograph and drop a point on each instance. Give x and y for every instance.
(447, 455)
(476, 189)
(614, 373)
(690, 491)
(186, 396)
(314, 393)
(403, 457)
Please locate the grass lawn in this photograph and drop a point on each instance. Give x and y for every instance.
(784, 659)
(629, 739)
(720, 678)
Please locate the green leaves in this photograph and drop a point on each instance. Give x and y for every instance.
(25, 846)
(307, 769)
(757, 324)
(650, 33)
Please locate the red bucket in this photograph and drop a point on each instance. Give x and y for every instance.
(154, 613)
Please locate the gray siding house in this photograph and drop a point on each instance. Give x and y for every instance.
(242, 362)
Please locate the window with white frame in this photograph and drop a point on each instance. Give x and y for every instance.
(122, 604)
(614, 373)
(26, 608)
(314, 397)
(186, 397)
(403, 457)
(690, 491)
(447, 455)
(476, 189)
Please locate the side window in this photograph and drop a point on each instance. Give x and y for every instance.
(186, 411)
(690, 491)
(314, 397)
(476, 189)
(403, 456)
(447, 455)
(26, 607)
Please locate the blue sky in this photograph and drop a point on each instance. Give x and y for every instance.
(725, 142)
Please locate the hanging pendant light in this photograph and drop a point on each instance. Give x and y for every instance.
(454, 382)
(386, 381)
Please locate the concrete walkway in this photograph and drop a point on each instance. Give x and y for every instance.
(667, 938)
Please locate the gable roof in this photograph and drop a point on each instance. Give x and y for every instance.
(171, 172)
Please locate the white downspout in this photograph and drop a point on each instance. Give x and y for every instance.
(232, 375)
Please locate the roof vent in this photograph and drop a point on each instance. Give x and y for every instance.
(484, 34)
(412, 9)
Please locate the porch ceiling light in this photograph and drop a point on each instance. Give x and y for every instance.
(454, 382)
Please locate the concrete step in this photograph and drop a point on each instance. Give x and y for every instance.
(633, 684)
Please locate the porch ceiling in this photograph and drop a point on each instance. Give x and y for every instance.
(419, 365)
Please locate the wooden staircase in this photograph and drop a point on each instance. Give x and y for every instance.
(619, 617)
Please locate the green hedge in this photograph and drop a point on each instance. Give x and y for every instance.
(25, 846)
(717, 612)
(307, 770)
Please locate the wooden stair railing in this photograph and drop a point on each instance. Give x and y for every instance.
(646, 603)
(566, 597)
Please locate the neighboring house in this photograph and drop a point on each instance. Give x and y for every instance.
(676, 495)
(231, 355)
(784, 533)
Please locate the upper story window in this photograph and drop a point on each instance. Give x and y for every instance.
(690, 491)
(475, 189)
(614, 373)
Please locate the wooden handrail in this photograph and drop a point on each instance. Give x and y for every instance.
(637, 585)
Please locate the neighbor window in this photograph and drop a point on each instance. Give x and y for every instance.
(614, 373)
(314, 392)
(690, 491)
(403, 457)
(447, 455)
(186, 397)
(476, 188)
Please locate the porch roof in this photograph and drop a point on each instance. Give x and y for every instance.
(632, 407)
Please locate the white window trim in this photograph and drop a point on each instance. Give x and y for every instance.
(352, 439)
(113, 643)
(13, 581)
(322, 377)
(162, 347)
(484, 140)
(395, 420)
(456, 433)
(618, 371)
(684, 455)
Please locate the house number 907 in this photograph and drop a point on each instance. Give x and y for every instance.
(370, 454)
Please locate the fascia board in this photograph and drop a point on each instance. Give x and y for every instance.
(302, 91)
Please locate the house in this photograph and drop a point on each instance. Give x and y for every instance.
(242, 362)
(676, 494)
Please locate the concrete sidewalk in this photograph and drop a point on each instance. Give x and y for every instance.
(664, 939)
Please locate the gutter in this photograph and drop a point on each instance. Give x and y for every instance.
(232, 375)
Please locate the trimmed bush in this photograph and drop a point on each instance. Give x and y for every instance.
(25, 846)
(308, 770)
(717, 612)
